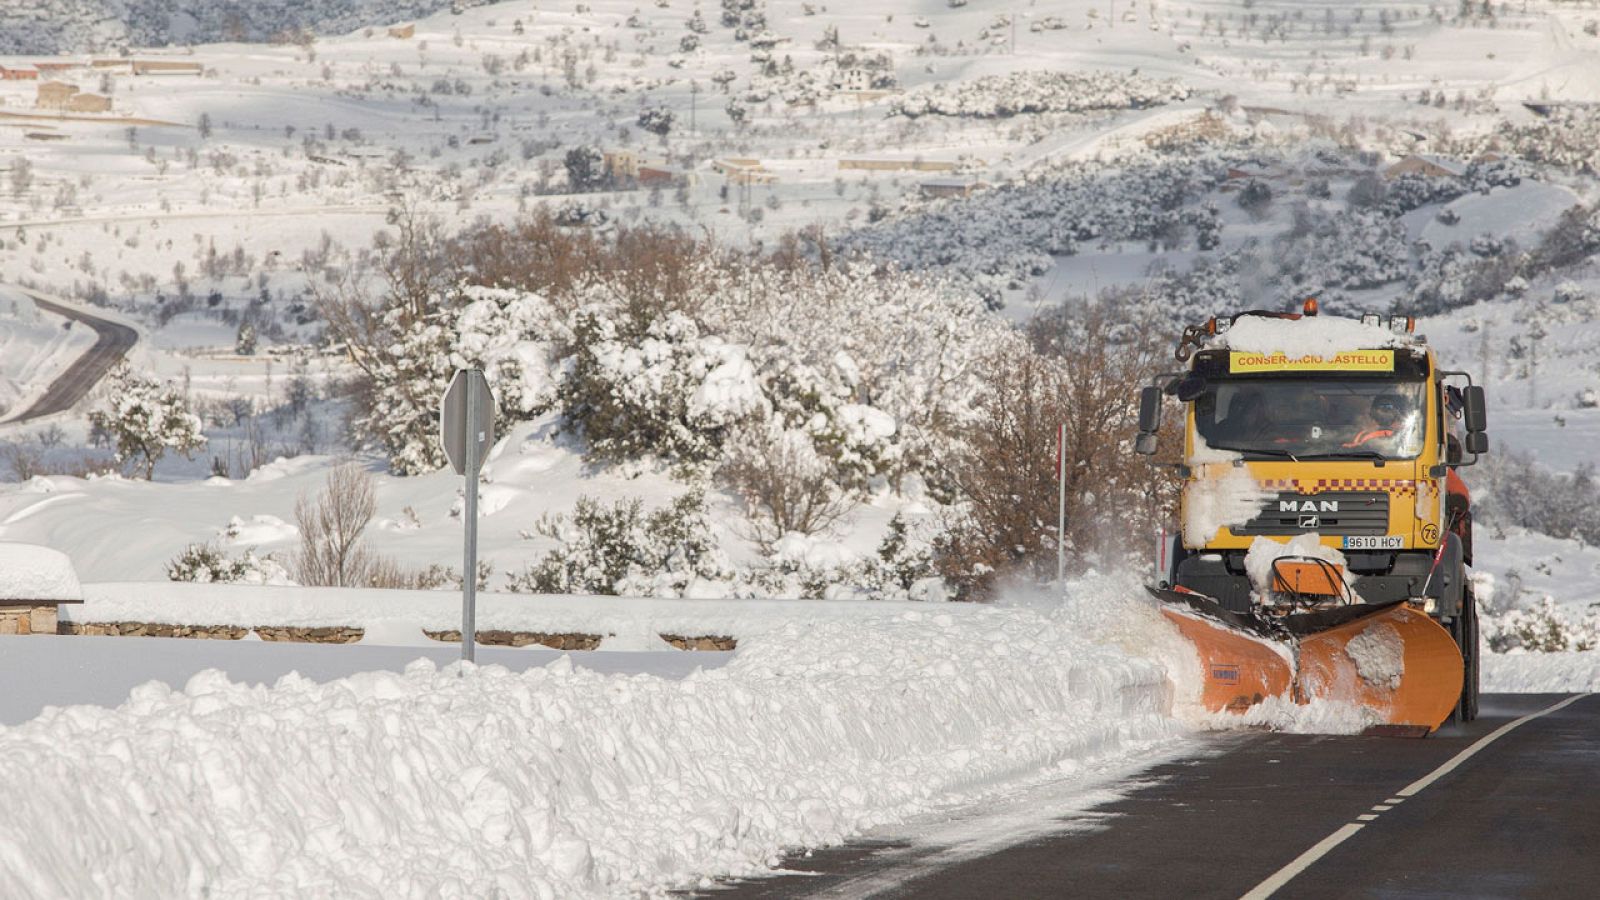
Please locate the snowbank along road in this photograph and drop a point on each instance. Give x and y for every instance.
(112, 343)
(1503, 807)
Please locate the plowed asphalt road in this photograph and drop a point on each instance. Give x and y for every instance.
(112, 343)
(1484, 810)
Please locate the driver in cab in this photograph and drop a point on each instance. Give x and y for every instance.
(1384, 420)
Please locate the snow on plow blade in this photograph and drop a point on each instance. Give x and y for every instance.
(1389, 658)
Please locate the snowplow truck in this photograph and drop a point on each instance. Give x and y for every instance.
(1323, 534)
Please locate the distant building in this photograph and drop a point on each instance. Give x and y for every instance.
(18, 74)
(165, 67)
(627, 163)
(111, 64)
(855, 79)
(89, 103)
(951, 187)
(754, 173)
(403, 32)
(654, 176)
(54, 95)
(1427, 166)
(622, 163)
(56, 68)
(726, 163)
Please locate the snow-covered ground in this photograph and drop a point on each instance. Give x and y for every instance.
(563, 781)
(35, 347)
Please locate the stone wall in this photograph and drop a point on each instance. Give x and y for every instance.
(154, 629)
(572, 641)
(703, 642)
(17, 620)
(27, 620)
(312, 635)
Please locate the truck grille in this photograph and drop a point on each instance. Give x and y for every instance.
(1335, 512)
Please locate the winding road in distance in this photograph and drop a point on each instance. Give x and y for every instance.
(112, 343)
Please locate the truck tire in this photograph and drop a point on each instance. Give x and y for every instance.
(1466, 635)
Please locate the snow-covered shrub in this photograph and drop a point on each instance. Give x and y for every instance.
(1255, 198)
(1409, 192)
(621, 549)
(206, 564)
(875, 367)
(1513, 491)
(1568, 137)
(813, 568)
(659, 388)
(786, 485)
(656, 119)
(244, 342)
(1040, 91)
(143, 419)
(332, 552)
(903, 566)
(1455, 277)
(585, 169)
(1544, 628)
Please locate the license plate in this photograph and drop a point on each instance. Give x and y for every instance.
(1388, 542)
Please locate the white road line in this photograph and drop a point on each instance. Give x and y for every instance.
(1413, 788)
(1366, 817)
(1286, 874)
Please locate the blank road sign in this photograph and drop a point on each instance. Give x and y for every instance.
(453, 425)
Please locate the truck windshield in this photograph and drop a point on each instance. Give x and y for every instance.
(1356, 418)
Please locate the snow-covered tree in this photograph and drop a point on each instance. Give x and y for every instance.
(656, 120)
(244, 342)
(505, 333)
(585, 168)
(144, 419)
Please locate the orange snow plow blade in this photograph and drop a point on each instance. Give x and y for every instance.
(1390, 658)
(1398, 662)
(1240, 670)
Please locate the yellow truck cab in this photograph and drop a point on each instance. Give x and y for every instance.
(1343, 429)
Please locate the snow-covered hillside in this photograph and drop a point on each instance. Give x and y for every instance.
(80, 26)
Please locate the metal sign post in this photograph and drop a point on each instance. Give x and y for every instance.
(1061, 505)
(466, 429)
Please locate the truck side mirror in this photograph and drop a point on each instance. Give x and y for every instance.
(1150, 410)
(1477, 442)
(1145, 443)
(1476, 418)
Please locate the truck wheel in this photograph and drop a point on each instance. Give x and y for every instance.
(1466, 635)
